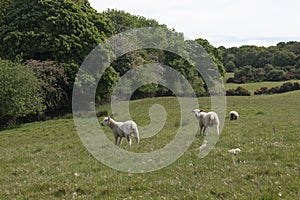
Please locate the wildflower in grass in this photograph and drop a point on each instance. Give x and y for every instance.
(234, 151)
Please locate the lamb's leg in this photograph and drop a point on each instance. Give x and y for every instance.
(218, 131)
(116, 140)
(207, 132)
(137, 139)
(128, 139)
(201, 128)
(120, 141)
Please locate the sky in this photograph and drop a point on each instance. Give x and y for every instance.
(222, 22)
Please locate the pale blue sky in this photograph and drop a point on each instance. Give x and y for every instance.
(222, 22)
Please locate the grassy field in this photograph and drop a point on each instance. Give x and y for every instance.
(47, 160)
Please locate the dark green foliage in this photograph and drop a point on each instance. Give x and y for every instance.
(275, 75)
(291, 46)
(284, 54)
(230, 66)
(61, 31)
(54, 84)
(123, 21)
(248, 74)
(286, 87)
(268, 73)
(106, 84)
(239, 91)
(283, 58)
(214, 53)
(247, 55)
(20, 94)
(147, 56)
(65, 31)
(262, 90)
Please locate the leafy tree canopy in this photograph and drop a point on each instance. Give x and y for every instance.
(214, 53)
(123, 21)
(64, 31)
(21, 93)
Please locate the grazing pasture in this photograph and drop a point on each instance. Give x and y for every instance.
(46, 160)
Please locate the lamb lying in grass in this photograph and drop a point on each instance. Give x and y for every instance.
(122, 129)
(234, 151)
(233, 115)
(207, 120)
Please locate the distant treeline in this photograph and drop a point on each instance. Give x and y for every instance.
(254, 64)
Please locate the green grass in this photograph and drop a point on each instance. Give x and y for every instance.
(46, 160)
(251, 87)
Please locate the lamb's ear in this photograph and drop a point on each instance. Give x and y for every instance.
(201, 111)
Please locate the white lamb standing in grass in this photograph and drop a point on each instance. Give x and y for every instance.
(233, 115)
(122, 129)
(207, 120)
(200, 121)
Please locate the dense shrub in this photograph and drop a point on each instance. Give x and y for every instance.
(230, 80)
(239, 91)
(55, 83)
(262, 90)
(275, 75)
(20, 94)
(230, 66)
(286, 87)
(267, 73)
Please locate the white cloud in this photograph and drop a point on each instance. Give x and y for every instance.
(226, 22)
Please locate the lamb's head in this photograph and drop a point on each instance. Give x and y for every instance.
(199, 113)
(196, 112)
(106, 121)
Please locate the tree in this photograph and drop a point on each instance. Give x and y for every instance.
(106, 85)
(268, 67)
(283, 58)
(249, 74)
(230, 66)
(228, 54)
(20, 93)
(246, 55)
(214, 53)
(123, 21)
(54, 84)
(275, 75)
(297, 60)
(291, 46)
(264, 57)
(62, 31)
